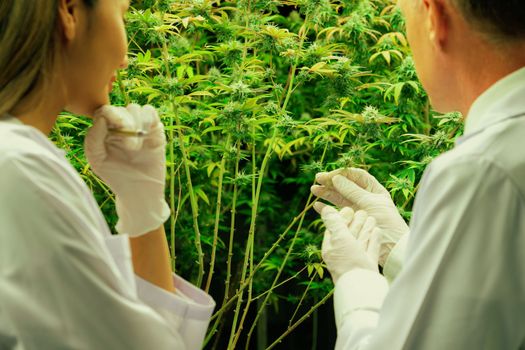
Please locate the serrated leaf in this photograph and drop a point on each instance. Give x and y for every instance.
(397, 92)
(267, 120)
(211, 129)
(320, 270)
(317, 66)
(201, 93)
(211, 167)
(310, 269)
(386, 55)
(180, 72)
(189, 71)
(199, 192)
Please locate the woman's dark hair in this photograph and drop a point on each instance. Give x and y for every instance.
(499, 19)
(28, 45)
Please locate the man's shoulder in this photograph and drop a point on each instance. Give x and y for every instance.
(496, 153)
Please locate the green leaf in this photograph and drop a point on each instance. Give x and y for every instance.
(199, 192)
(319, 269)
(189, 71)
(181, 70)
(211, 129)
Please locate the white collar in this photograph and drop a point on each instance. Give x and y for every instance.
(503, 100)
(8, 118)
(33, 133)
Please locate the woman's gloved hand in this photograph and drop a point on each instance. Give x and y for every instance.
(356, 188)
(350, 240)
(133, 166)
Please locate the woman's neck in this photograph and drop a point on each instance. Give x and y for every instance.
(40, 110)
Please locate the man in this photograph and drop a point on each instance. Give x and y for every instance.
(462, 285)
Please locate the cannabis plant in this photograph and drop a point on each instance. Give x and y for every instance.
(256, 97)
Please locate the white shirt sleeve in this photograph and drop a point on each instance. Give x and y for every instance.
(394, 262)
(463, 280)
(59, 285)
(189, 309)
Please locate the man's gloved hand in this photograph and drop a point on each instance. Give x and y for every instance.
(350, 240)
(133, 166)
(359, 190)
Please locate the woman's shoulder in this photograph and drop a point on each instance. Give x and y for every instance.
(18, 140)
(36, 176)
(28, 158)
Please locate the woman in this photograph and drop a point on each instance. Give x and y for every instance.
(65, 281)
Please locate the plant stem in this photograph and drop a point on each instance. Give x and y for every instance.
(175, 212)
(302, 33)
(426, 115)
(302, 298)
(280, 284)
(263, 259)
(410, 197)
(315, 328)
(249, 245)
(285, 260)
(301, 320)
(232, 224)
(276, 279)
(223, 309)
(193, 198)
(302, 36)
(121, 87)
(217, 216)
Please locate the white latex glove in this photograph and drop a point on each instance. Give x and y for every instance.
(356, 188)
(350, 241)
(134, 167)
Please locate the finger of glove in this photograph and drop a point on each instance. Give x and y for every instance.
(117, 117)
(156, 136)
(145, 117)
(361, 177)
(138, 121)
(349, 190)
(120, 118)
(319, 206)
(366, 232)
(374, 245)
(357, 223)
(326, 246)
(365, 180)
(348, 214)
(353, 174)
(334, 223)
(330, 195)
(95, 141)
(325, 178)
(150, 117)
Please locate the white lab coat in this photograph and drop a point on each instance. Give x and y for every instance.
(65, 281)
(462, 286)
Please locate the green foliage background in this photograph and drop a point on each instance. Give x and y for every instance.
(257, 96)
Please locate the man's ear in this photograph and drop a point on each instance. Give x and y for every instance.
(68, 18)
(438, 22)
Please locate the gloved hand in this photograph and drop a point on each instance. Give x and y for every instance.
(134, 167)
(350, 241)
(356, 188)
